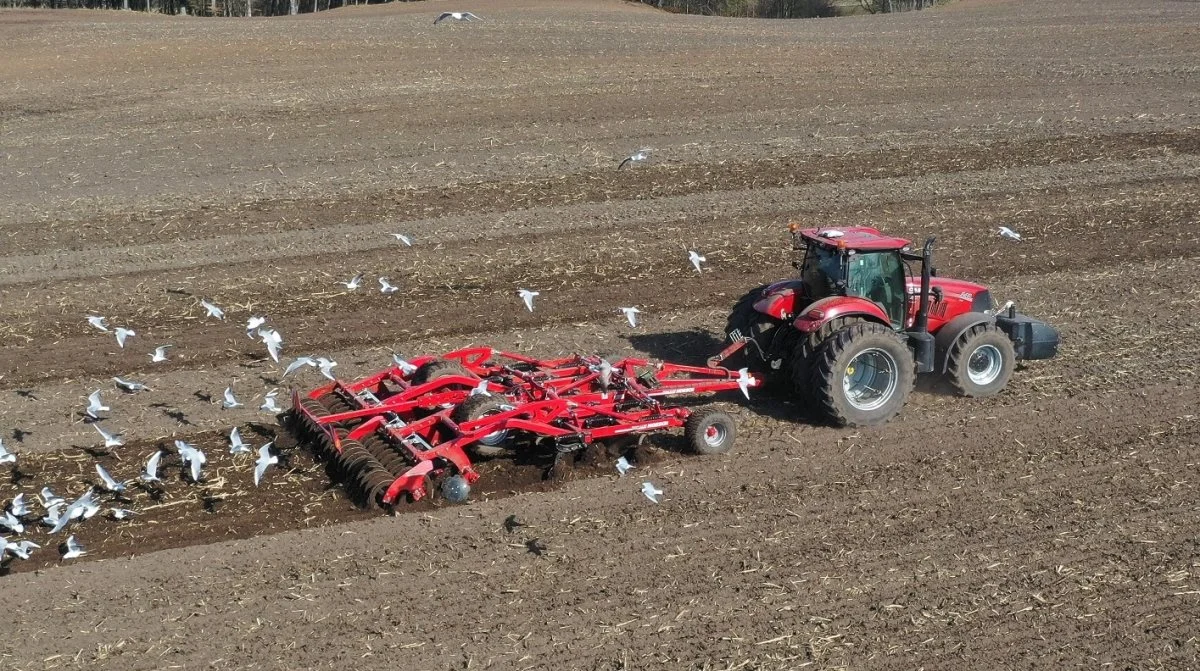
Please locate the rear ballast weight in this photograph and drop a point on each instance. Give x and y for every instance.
(389, 435)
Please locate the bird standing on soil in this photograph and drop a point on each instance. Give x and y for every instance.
(95, 405)
(457, 16)
(636, 157)
(123, 334)
(354, 281)
(696, 260)
(109, 483)
(265, 459)
(72, 549)
(269, 402)
(98, 322)
(130, 386)
(631, 314)
(213, 311)
(528, 296)
(1006, 232)
(653, 493)
(230, 401)
(110, 439)
(160, 354)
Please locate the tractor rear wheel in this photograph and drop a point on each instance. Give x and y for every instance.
(710, 432)
(804, 349)
(862, 375)
(494, 444)
(742, 319)
(981, 361)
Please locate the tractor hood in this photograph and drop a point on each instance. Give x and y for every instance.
(957, 297)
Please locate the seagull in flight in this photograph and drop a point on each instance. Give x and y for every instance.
(405, 367)
(696, 260)
(403, 238)
(150, 473)
(326, 367)
(269, 402)
(273, 341)
(386, 287)
(236, 445)
(1006, 232)
(354, 281)
(527, 296)
(636, 157)
(623, 465)
(19, 550)
(50, 499)
(253, 323)
(213, 311)
(98, 322)
(457, 16)
(73, 549)
(110, 484)
(18, 507)
(230, 402)
(299, 362)
(265, 459)
(631, 314)
(653, 493)
(123, 334)
(95, 406)
(745, 381)
(10, 522)
(192, 457)
(160, 354)
(6, 457)
(110, 439)
(130, 386)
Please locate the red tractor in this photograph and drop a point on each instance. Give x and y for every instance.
(853, 331)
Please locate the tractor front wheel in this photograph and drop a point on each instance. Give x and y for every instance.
(862, 375)
(710, 432)
(981, 361)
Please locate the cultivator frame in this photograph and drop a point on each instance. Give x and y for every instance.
(387, 435)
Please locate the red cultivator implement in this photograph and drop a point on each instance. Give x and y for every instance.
(389, 435)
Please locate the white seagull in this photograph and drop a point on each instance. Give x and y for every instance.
(95, 406)
(160, 354)
(73, 549)
(653, 493)
(110, 439)
(405, 367)
(6, 457)
(20, 549)
(150, 473)
(696, 260)
(326, 367)
(623, 465)
(354, 282)
(1006, 232)
(121, 513)
(269, 402)
(265, 459)
(403, 238)
(457, 16)
(636, 157)
(273, 341)
(10, 522)
(527, 296)
(300, 361)
(109, 483)
(386, 287)
(745, 381)
(123, 334)
(192, 457)
(213, 311)
(130, 386)
(230, 401)
(253, 323)
(50, 499)
(236, 445)
(53, 515)
(18, 506)
(98, 322)
(631, 314)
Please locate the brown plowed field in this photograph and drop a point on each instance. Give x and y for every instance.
(149, 162)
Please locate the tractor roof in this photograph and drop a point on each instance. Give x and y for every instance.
(861, 238)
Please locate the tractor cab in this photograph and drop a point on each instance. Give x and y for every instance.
(856, 262)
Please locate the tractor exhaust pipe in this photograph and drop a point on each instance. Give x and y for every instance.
(922, 322)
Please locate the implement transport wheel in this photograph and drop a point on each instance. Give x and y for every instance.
(710, 432)
(862, 375)
(436, 369)
(981, 361)
(494, 444)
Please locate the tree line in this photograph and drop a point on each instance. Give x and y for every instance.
(788, 9)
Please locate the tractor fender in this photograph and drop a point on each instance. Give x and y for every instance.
(826, 310)
(779, 299)
(951, 331)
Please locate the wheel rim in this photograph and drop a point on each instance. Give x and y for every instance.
(714, 435)
(870, 379)
(495, 438)
(984, 365)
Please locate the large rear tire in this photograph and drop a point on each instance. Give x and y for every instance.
(803, 356)
(862, 375)
(981, 362)
(742, 319)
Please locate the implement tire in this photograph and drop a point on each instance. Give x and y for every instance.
(496, 444)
